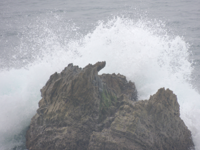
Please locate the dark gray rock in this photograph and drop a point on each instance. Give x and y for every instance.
(75, 103)
(153, 124)
(81, 110)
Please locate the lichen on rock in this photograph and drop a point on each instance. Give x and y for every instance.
(81, 110)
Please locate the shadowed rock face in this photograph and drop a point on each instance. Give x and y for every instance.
(81, 110)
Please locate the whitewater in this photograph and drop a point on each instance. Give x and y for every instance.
(143, 50)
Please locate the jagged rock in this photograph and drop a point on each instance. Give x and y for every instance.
(75, 103)
(153, 124)
(81, 110)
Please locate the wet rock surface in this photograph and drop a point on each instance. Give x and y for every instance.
(81, 110)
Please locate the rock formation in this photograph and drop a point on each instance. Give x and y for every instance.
(81, 110)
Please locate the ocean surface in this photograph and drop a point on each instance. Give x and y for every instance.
(153, 43)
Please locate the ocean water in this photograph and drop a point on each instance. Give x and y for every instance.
(154, 44)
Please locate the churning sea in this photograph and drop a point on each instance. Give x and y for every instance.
(153, 43)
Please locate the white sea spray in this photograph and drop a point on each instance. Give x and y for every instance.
(140, 49)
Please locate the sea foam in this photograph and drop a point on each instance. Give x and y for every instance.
(140, 49)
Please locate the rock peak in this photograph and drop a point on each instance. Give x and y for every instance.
(100, 65)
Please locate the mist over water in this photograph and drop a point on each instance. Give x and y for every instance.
(141, 49)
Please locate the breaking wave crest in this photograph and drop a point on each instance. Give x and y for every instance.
(140, 49)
